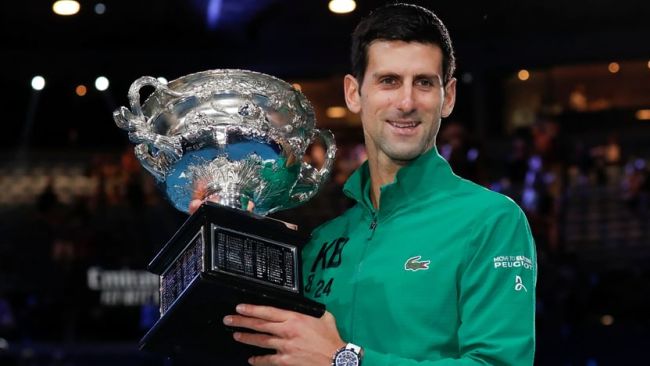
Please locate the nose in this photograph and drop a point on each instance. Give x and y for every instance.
(406, 102)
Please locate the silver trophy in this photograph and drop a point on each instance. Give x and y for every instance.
(235, 139)
(237, 135)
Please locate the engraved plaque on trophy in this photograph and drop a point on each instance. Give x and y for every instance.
(233, 139)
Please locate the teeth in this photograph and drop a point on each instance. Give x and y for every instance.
(403, 124)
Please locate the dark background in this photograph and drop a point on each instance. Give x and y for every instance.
(72, 196)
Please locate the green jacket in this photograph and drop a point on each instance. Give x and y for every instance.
(443, 273)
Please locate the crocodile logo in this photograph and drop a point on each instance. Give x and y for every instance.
(415, 264)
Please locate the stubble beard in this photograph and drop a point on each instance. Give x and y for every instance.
(404, 152)
(404, 155)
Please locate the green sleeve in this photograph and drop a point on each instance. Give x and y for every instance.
(496, 296)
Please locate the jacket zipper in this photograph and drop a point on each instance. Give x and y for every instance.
(373, 226)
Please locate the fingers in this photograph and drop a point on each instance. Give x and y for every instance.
(196, 202)
(256, 324)
(267, 360)
(194, 205)
(265, 312)
(258, 339)
(250, 206)
(200, 195)
(199, 190)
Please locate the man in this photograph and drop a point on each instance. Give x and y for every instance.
(427, 268)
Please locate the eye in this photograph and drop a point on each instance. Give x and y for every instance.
(388, 80)
(426, 83)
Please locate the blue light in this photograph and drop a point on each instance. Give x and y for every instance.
(214, 13)
(472, 154)
(445, 151)
(535, 163)
(639, 164)
(549, 178)
(529, 199)
(530, 178)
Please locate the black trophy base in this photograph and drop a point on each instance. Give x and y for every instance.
(191, 328)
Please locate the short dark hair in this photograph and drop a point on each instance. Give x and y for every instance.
(401, 22)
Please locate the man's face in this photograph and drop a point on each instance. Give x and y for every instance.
(401, 100)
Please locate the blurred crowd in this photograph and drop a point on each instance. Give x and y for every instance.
(47, 246)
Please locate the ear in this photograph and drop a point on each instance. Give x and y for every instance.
(352, 93)
(450, 98)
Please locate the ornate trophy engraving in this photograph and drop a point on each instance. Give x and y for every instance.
(237, 138)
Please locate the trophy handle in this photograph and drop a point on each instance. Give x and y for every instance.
(167, 148)
(134, 92)
(310, 178)
(134, 119)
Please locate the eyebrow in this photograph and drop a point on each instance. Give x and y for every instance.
(379, 74)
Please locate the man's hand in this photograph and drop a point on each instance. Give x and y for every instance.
(195, 204)
(298, 339)
(200, 196)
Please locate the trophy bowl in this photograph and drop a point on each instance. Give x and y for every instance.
(236, 136)
(234, 139)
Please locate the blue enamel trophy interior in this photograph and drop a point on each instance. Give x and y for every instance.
(178, 184)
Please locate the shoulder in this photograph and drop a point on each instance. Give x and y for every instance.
(484, 202)
(496, 221)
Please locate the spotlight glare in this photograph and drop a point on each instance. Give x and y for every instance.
(607, 320)
(614, 67)
(81, 90)
(523, 75)
(643, 114)
(100, 8)
(38, 82)
(101, 83)
(336, 112)
(213, 14)
(66, 7)
(342, 6)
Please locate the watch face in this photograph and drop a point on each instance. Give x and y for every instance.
(346, 357)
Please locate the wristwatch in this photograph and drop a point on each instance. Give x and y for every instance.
(350, 355)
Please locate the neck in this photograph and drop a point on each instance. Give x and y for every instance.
(382, 171)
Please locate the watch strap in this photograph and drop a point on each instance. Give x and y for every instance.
(355, 348)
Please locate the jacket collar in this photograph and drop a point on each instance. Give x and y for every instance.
(427, 175)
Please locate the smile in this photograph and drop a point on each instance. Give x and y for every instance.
(403, 124)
